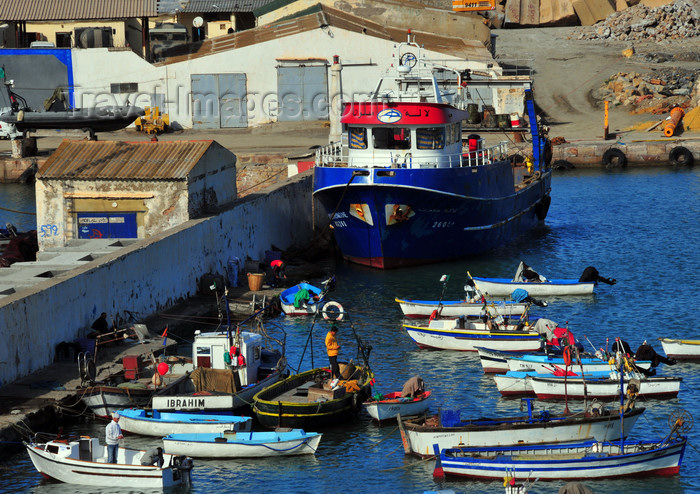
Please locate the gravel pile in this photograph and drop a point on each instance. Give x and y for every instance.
(659, 89)
(677, 20)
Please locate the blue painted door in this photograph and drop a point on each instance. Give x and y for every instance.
(107, 225)
(302, 93)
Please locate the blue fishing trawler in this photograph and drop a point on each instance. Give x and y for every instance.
(405, 190)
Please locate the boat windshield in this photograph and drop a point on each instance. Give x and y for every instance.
(391, 138)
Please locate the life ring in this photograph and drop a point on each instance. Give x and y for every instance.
(567, 356)
(614, 158)
(337, 306)
(680, 156)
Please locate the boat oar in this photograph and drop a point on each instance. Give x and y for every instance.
(438, 473)
(589, 342)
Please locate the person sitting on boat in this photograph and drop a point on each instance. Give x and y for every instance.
(113, 433)
(413, 387)
(332, 347)
(153, 456)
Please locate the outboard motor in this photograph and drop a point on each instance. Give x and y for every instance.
(182, 467)
(592, 274)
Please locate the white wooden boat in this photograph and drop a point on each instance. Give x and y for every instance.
(216, 386)
(537, 285)
(393, 404)
(681, 349)
(422, 309)
(156, 423)
(586, 460)
(421, 433)
(280, 442)
(83, 461)
(553, 388)
(503, 287)
(550, 363)
(464, 335)
(518, 383)
(493, 361)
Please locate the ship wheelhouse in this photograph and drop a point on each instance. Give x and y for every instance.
(403, 135)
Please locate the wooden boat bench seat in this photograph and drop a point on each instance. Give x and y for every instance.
(303, 390)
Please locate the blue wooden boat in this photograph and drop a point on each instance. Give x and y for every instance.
(304, 298)
(281, 442)
(586, 460)
(155, 423)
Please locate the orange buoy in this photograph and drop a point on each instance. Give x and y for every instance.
(675, 118)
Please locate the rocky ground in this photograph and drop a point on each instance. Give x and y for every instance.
(577, 68)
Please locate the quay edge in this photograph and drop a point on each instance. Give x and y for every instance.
(639, 150)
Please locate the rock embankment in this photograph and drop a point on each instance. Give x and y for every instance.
(674, 21)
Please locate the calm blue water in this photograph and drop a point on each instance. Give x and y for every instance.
(639, 226)
(17, 206)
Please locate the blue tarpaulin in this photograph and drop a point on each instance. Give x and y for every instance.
(518, 295)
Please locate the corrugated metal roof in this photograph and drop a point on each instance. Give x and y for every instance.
(57, 10)
(320, 16)
(116, 160)
(207, 6)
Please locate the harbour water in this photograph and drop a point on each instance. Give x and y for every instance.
(639, 226)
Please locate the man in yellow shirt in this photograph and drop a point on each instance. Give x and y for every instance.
(332, 347)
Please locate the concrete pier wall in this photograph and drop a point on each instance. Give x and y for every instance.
(150, 275)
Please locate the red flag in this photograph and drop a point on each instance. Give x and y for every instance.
(165, 335)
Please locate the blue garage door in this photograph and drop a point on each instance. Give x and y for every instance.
(107, 225)
(302, 93)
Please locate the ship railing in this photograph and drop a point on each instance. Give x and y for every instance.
(331, 154)
(335, 154)
(485, 156)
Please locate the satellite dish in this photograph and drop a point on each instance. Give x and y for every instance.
(197, 21)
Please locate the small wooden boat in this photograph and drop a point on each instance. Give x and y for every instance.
(308, 400)
(83, 461)
(131, 387)
(281, 442)
(422, 309)
(493, 361)
(305, 299)
(585, 460)
(554, 388)
(393, 404)
(447, 430)
(503, 287)
(537, 285)
(549, 363)
(464, 335)
(155, 423)
(681, 349)
(518, 383)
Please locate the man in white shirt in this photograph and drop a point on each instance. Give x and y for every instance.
(113, 433)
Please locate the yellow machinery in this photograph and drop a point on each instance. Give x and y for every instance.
(153, 122)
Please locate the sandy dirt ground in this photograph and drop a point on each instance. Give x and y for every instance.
(567, 70)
